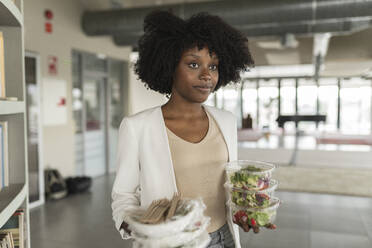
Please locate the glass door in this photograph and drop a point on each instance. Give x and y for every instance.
(116, 112)
(94, 119)
(98, 108)
(35, 168)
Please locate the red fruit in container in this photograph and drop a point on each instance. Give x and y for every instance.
(239, 215)
(253, 222)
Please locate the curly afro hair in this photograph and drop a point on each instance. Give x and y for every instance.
(167, 36)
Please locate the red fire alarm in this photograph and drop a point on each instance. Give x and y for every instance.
(48, 25)
(48, 14)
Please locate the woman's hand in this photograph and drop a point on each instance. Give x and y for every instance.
(125, 227)
(240, 218)
(256, 228)
(247, 227)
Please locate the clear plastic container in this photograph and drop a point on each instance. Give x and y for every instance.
(181, 239)
(260, 217)
(249, 175)
(201, 241)
(252, 198)
(184, 218)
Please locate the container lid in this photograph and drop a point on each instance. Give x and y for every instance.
(273, 184)
(274, 204)
(249, 167)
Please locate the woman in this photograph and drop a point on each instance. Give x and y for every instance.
(182, 145)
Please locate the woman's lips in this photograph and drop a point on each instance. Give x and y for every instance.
(203, 89)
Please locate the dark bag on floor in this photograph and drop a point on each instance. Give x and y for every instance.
(78, 184)
(55, 186)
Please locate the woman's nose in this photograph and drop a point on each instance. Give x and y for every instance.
(205, 75)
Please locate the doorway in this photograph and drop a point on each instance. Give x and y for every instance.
(98, 107)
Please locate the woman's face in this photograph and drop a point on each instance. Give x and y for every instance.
(196, 75)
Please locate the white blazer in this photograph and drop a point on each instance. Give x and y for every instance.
(144, 169)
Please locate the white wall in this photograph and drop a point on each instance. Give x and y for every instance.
(67, 35)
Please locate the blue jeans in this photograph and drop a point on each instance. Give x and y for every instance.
(222, 238)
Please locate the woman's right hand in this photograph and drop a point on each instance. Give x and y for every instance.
(125, 227)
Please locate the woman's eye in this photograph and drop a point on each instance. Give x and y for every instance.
(193, 65)
(213, 67)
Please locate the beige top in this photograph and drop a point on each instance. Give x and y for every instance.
(199, 171)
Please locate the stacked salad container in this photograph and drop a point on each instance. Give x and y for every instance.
(251, 194)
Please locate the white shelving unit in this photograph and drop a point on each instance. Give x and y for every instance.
(10, 14)
(15, 196)
(9, 107)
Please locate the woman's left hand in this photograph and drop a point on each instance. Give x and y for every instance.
(247, 228)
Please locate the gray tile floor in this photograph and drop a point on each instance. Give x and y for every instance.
(304, 221)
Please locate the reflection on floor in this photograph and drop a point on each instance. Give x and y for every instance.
(306, 142)
(304, 221)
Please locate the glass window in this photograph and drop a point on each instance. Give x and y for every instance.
(231, 100)
(92, 62)
(93, 99)
(328, 91)
(250, 100)
(77, 97)
(220, 98)
(115, 83)
(228, 98)
(288, 97)
(210, 100)
(307, 93)
(355, 106)
(268, 106)
(33, 118)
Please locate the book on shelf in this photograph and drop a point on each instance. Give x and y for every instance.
(2, 66)
(15, 227)
(6, 240)
(4, 160)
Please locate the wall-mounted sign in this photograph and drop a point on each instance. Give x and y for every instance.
(48, 27)
(52, 65)
(54, 102)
